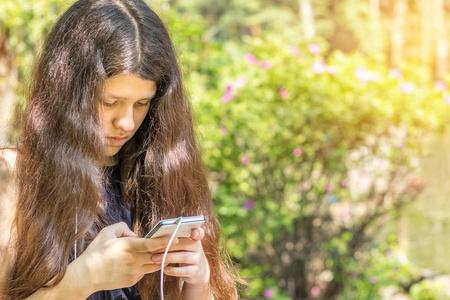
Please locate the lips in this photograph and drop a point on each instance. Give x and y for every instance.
(117, 141)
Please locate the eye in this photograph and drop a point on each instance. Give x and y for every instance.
(143, 103)
(109, 104)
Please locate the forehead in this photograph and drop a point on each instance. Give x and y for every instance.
(128, 86)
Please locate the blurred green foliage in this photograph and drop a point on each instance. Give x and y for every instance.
(26, 23)
(285, 124)
(281, 129)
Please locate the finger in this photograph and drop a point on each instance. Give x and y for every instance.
(197, 234)
(150, 268)
(176, 258)
(150, 245)
(144, 258)
(184, 244)
(185, 271)
(118, 230)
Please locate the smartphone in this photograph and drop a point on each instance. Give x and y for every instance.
(167, 227)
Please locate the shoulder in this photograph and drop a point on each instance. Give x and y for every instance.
(8, 200)
(8, 158)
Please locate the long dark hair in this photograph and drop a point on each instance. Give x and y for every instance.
(59, 174)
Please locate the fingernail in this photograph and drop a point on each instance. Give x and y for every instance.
(196, 234)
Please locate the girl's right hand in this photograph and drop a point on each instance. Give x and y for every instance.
(117, 258)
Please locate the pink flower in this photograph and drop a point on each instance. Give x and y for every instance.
(228, 94)
(268, 294)
(329, 188)
(401, 146)
(365, 76)
(249, 204)
(441, 86)
(345, 215)
(283, 93)
(447, 100)
(344, 183)
(359, 73)
(395, 73)
(315, 292)
(294, 50)
(245, 160)
(223, 130)
(406, 87)
(251, 59)
(265, 64)
(319, 67)
(373, 280)
(297, 152)
(314, 49)
(240, 82)
(331, 70)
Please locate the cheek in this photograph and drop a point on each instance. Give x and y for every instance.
(104, 121)
(139, 118)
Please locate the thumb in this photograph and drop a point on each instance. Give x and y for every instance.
(197, 234)
(121, 229)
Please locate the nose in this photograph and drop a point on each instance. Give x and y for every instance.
(124, 120)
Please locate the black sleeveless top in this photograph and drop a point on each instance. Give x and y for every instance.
(117, 211)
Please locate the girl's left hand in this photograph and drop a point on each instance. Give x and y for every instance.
(188, 253)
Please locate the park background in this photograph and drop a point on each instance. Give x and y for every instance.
(323, 123)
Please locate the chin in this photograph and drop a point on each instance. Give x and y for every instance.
(111, 151)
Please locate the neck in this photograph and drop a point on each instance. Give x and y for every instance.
(109, 161)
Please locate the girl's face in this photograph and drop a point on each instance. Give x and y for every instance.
(123, 105)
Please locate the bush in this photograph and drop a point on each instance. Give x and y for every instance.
(308, 153)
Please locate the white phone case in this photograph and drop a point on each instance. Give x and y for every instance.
(167, 227)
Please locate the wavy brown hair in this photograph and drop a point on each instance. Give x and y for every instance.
(59, 175)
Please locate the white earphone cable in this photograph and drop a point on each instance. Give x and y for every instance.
(76, 232)
(178, 223)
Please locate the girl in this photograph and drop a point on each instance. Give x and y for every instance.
(107, 149)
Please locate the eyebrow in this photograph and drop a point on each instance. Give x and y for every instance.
(122, 98)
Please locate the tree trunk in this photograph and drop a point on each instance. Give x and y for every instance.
(397, 38)
(440, 30)
(306, 14)
(427, 33)
(375, 9)
(8, 84)
(377, 41)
